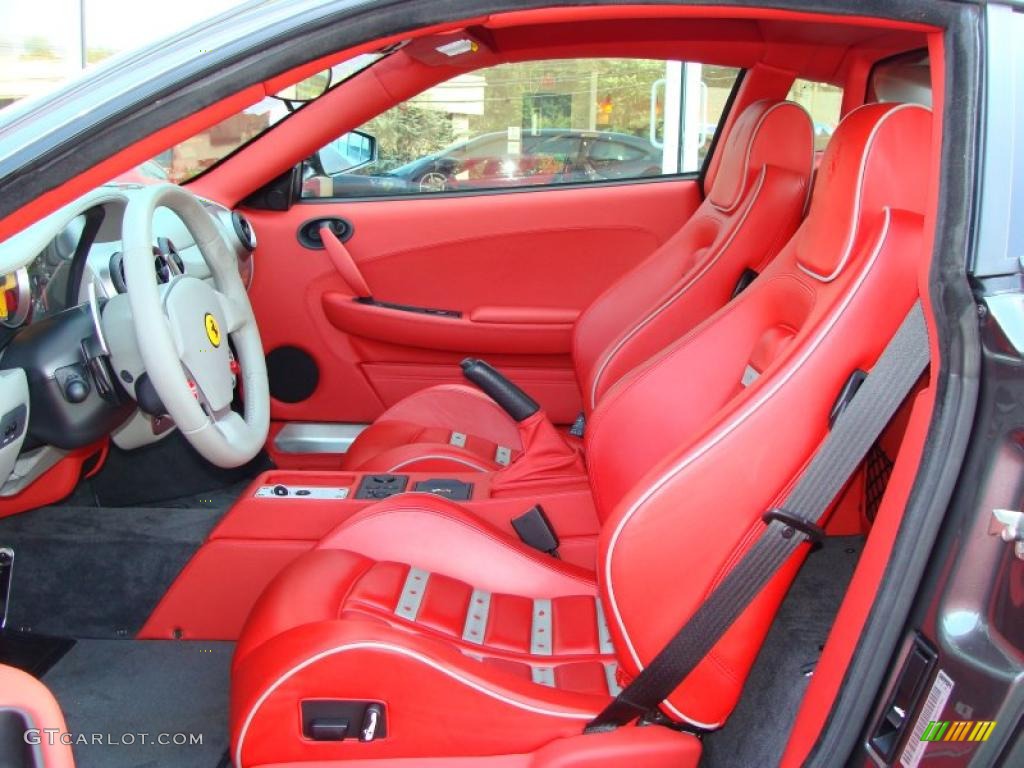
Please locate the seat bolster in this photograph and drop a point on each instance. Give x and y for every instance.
(455, 405)
(447, 407)
(439, 535)
(311, 589)
(647, 747)
(416, 455)
(438, 701)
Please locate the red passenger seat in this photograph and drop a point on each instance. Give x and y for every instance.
(471, 644)
(755, 205)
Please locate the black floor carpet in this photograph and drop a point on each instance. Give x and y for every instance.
(170, 470)
(756, 733)
(124, 688)
(97, 572)
(96, 565)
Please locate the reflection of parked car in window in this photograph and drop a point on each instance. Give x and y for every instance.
(550, 155)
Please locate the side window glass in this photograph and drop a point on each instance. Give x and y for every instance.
(538, 123)
(824, 102)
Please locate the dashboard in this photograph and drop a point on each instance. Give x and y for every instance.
(57, 389)
(87, 250)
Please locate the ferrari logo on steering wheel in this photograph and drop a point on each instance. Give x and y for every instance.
(212, 329)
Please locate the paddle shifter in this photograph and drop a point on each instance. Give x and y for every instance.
(517, 404)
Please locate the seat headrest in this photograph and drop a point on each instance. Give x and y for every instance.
(777, 133)
(877, 159)
(904, 79)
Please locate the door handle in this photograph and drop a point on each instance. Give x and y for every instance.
(309, 231)
(344, 263)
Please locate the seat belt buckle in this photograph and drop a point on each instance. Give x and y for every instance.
(815, 533)
(579, 426)
(535, 530)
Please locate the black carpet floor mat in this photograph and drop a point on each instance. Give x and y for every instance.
(88, 572)
(161, 474)
(757, 731)
(123, 688)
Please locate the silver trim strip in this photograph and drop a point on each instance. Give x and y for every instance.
(503, 455)
(540, 628)
(412, 594)
(304, 437)
(301, 492)
(476, 616)
(543, 676)
(610, 668)
(94, 310)
(604, 635)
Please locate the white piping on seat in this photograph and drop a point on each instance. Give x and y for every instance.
(454, 459)
(852, 229)
(752, 407)
(607, 359)
(388, 647)
(750, 148)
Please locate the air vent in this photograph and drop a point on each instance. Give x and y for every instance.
(244, 231)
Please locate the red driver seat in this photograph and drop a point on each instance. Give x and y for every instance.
(755, 205)
(468, 644)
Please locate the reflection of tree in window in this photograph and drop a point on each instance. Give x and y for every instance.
(541, 122)
(581, 84)
(408, 132)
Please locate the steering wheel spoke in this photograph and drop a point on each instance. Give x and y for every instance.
(230, 425)
(235, 317)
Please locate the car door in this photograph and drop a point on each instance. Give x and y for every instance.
(496, 263)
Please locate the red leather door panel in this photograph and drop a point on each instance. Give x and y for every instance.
(519, 266)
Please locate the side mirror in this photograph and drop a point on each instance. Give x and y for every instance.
(348, 152)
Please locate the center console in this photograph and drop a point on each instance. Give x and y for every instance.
(375, 487)
(284, 513)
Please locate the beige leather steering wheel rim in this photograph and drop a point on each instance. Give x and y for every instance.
(182, 329)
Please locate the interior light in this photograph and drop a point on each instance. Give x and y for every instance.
(458, 47)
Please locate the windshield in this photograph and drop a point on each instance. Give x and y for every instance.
(186, 160)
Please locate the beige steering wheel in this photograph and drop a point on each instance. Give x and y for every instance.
(183, 326)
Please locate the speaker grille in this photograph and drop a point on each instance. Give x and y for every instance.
(293, 374)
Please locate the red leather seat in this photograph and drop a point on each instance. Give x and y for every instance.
(755, 205)
(478, 646)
